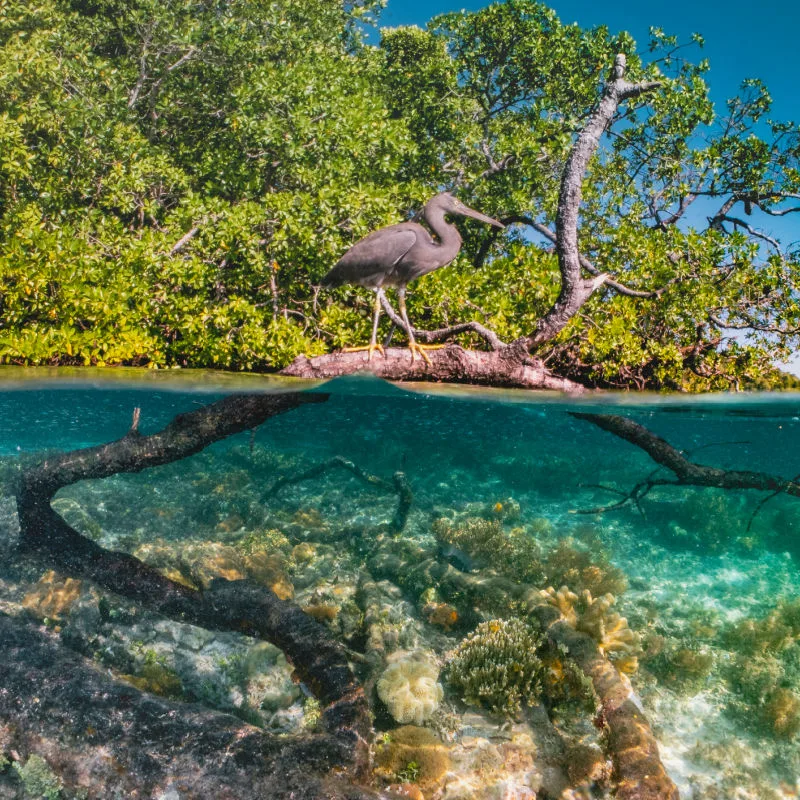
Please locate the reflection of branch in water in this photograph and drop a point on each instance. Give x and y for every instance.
(686, 472)
(398, 485)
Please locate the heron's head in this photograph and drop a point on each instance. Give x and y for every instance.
(453, 205)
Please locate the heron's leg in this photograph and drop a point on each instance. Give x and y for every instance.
(373, 342)
(412, 342)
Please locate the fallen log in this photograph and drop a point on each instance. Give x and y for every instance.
(106, 738)
(451, 364)
(320, 661)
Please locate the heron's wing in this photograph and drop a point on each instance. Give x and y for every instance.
(371, 260)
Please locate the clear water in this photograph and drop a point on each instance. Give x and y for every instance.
(709, 577)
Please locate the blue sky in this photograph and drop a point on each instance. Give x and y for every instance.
(742, 40)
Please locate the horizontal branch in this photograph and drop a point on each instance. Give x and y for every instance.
(687, 472)
(508, 367)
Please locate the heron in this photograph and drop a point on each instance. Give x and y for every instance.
(395, 255)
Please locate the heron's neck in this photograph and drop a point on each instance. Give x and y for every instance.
(449, 238)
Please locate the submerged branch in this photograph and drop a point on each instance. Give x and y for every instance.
(687, 473)
(398, 485)
(133, 744)
(240, 606)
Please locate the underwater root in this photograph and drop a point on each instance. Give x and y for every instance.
(398, 485)
(102, 737)
(686, 472)
(319, 659)
(638, 771)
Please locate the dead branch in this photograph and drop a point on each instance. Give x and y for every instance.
(398, 485)
(686, 472)
(238, 606)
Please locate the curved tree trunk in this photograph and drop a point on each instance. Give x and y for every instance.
(107, 739)
(239, 606)
(508, 365)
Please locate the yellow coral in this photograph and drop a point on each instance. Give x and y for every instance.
(607, 628)
(53, 596)
(410, 690)
(593, 615)
(564, 600)
(413, 745)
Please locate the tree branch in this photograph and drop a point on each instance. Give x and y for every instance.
(686, 472)
(227, 605)
(575, 291)
(441, 334)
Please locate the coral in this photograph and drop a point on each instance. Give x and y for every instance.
(38, 779)
(52, 597)
(514, 555)
(322, 612)
(772, 634)
(409, 688)
(583, 569)
(564, 681)
(441, 614)
(309, 519)
(263, 541)
(199, 562)
(593, 615)
(303, 553)
(507, 510)
(409, 790)
(781, 713)
(683, 667)
(564, 600)
(410, 751)
(497, 666)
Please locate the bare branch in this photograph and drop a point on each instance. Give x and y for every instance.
(441, 334)
(687, 472)
(574, 289)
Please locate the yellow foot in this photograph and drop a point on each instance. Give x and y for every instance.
(371, 348)
(415, 348)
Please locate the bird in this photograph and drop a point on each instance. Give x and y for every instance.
(397, 254)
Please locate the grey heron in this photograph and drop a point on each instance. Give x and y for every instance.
(395, 255)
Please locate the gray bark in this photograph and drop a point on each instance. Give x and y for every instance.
(510, 365)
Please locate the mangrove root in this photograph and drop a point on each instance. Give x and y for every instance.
(319, 659)
(108, 739)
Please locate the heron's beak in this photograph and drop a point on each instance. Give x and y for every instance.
(470, 212)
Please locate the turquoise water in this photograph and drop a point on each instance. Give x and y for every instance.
(706, 578)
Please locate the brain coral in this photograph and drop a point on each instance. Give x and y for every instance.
(410, 690)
